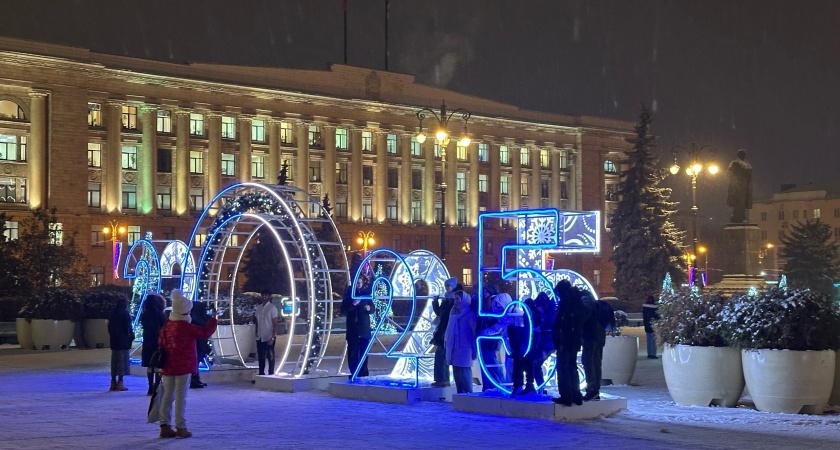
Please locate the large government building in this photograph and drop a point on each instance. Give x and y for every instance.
(110, 139)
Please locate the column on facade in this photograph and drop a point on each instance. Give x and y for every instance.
(355, 175)
(147, 161)
(302, 161)
(405, 177)
(181, 166)
(536, 178)
(494, 188)
(112, 159)
(451, 183)
(515, 184)
(244, 163)
(273, 151)
(213, 174)
(555, 178)
(472, 185)
(37, 151)
(574, 182)
(381, 181)
(328, 178)
(429, 166)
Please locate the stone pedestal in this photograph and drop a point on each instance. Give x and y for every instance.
(541, 407)
(296, 384)
(741, 267)
(391, 394)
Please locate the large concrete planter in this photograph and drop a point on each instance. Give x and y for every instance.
(52, 334)
(788, 381)
(704, 376)
(225, 346)
(834, 399)
(24, 333)
(96, 333)
(619, 360)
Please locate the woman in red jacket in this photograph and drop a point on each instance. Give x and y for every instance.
(178, 337)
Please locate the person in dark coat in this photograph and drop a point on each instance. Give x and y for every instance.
(488, 348)
(442, 310)
(119, 328)
(358, 332)
(567, 333)
(152, 319)
(517, 333)
(649, 314)
(594, 339)
(202, 346)
(542, 346)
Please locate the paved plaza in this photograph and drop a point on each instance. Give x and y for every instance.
(61, 400)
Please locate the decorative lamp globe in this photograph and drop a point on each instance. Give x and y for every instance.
(713, 169)
(465, 141)
(371, 241)
(121, 230)
(441, 135)
(106, 230)
(675, 169)
(360, 241)
(421, 137)
(697, 167)
(689, 171)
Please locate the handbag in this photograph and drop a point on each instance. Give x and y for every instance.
(153, 415)
(158, 358)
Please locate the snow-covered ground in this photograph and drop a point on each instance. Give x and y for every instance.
(61, 400)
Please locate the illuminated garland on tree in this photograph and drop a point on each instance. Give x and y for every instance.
(667, 287)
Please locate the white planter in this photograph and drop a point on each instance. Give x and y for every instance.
(619, 360)
(96, 333)
(24, 333)
(704, 376)
(225, 346)
(834, 399)
(788, 381)
(52, 334)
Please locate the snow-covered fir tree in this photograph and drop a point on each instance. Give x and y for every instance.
(811, 256)
(646, 243)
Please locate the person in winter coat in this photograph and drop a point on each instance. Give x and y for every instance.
(202, 346)
(442, 310)
(594, 339)
(567, 333)
(542, 345)
(460, 341)
(152, 319)
(488, 348)
(119, 327)
(358, 332)
(178, 337)
(517, 333)
(649, 314)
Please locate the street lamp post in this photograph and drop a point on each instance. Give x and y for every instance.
(705, 252)
(116, 231)
(365, 238)
(694, 169)
(442, 135)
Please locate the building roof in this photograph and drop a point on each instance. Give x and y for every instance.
(811, 191)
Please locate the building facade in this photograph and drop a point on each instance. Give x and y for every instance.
(148, 144)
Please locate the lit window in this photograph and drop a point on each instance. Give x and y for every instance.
(462, 214)
(164, 121)
(290, 164)
(461, 152)
(341, 138)
(467, 277)
(367, 209)
(461, 182)
(12, 190)
(341, 173)
(8, 147)
(200, 240)
(94, 114)
(523, 187)
(391, 143)
(129, 196)
(315, 136)
(483, 151)
(129, 157)
(286, 133)
(56, 233)
(609, 167)
(129, 117)
(482, 183)
(391, 210)
(94, 195)
(228, 127)
(196, 199)
(228, 165)
(164, 198)
(258, 130)
(544, 159)
(315, 171)
(10, 230)
(341, 208)
(504, 157)
(611, 193)
(816, 213)
(415, 146)
(416, 210)
(23, 148)
(524, 157)
(367, 141)
(196, 124)
(503, 185)
(133, 234)
(258, 166)
(196, 162)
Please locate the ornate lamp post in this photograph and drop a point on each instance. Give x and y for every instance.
(695, 168)
(116, 231)
(442, 134)
(365, 238)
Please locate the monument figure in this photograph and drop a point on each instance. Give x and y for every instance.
(739, 197)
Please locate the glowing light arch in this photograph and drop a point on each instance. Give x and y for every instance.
(226, 227)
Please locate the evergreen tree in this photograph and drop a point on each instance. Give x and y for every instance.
(264, 266)
(646, 243)
(812, 257)
(332, 253)
(48, 256)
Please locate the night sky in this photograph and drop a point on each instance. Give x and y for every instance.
(759, 74)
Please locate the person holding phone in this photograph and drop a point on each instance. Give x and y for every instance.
(266, 332)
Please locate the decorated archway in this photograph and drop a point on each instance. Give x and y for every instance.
(314, 264)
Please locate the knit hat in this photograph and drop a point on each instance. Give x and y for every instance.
(451, 283)
(180, 303)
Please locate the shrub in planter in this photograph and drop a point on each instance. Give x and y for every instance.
(244, 312)
(699, 367)
(788, 340)
(244, 309)
(52, 313)
(99, 303)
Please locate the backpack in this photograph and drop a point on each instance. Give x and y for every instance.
(605, 314)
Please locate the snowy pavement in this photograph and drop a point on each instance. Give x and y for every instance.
(61, 400)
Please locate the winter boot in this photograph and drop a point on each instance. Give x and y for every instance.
(120, 386)
(182, 433)
(166, 431)
(113, 385)
(151, 377)
(195, 382)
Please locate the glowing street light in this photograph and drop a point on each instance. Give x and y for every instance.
(365, 239)
(116, 231)
(694, 169)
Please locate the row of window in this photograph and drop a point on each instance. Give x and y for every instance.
(129, 197)
(11, 232)
(815, 214)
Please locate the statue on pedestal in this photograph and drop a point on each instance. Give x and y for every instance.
(739, 197)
